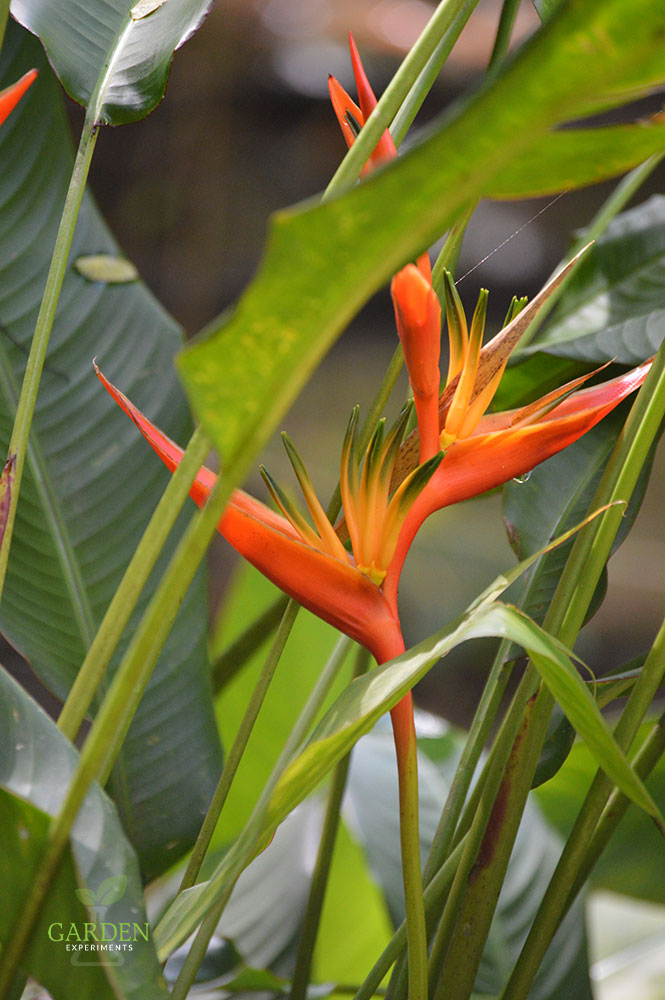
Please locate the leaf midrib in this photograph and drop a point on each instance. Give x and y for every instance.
(69, 564)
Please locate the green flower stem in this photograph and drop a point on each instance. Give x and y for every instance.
(425, 80)
(18, 444)
(564, 619)
(432, 897)
(556, 898)
(124, 600)
(395, 94)
(503, 33)
(644, 762)
(473, 747)
(321, 873)
(617, 200)
(251, 835)
(238, 748)
(234, 657)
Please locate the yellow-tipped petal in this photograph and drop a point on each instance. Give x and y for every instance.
(467, 380)
(458, 336)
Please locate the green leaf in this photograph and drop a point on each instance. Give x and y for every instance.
(322, 263)
(88, 491)
(633, 862)
(111, 889)
(36, 765)
(573, 158)
(113, 55)
(614, 306)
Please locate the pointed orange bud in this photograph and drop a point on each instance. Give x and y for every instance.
(10, 97)
(386, 148)
(418, 318)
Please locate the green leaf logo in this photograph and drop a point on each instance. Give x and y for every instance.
(109, 891)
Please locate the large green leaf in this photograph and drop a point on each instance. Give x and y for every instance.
(614, 306)
(36, 766)
(322, 263)
(116, 52)
(367, 698)
(87, 491)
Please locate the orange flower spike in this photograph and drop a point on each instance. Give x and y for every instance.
(461, 400)
(10, 97)
(418, 319)
(351, 118)
(385, 148)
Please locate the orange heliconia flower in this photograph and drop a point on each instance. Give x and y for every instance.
(10, 96)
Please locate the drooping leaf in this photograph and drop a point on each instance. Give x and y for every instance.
(36, 766)
(87, 491)
(114, 54)
(322, 263)
(614, 306)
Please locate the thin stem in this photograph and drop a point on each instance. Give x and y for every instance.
(26, 405)
(503, 34)
(449, 255)
(394, 96)
(324, 857)
(250, 836)
(135, 577)
(406, 748)
(432, 897)
(238, 747)
(617, 200)
(503, 747)
(556, 898)
(442, 842)
(234, 657)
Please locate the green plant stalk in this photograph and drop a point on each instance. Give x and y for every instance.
(644, 762)
(460, 961)
(323, 864)
(477, 815)
(432, 896)
(566, 613)
(555, 900)
(238, 747)
(616, 201)
(117, 710)
(18, 444)
(394, 96)
(424, 82)
(251, 835)
(442, 842)
(319, 883)
(135, 577)
(503, 34)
